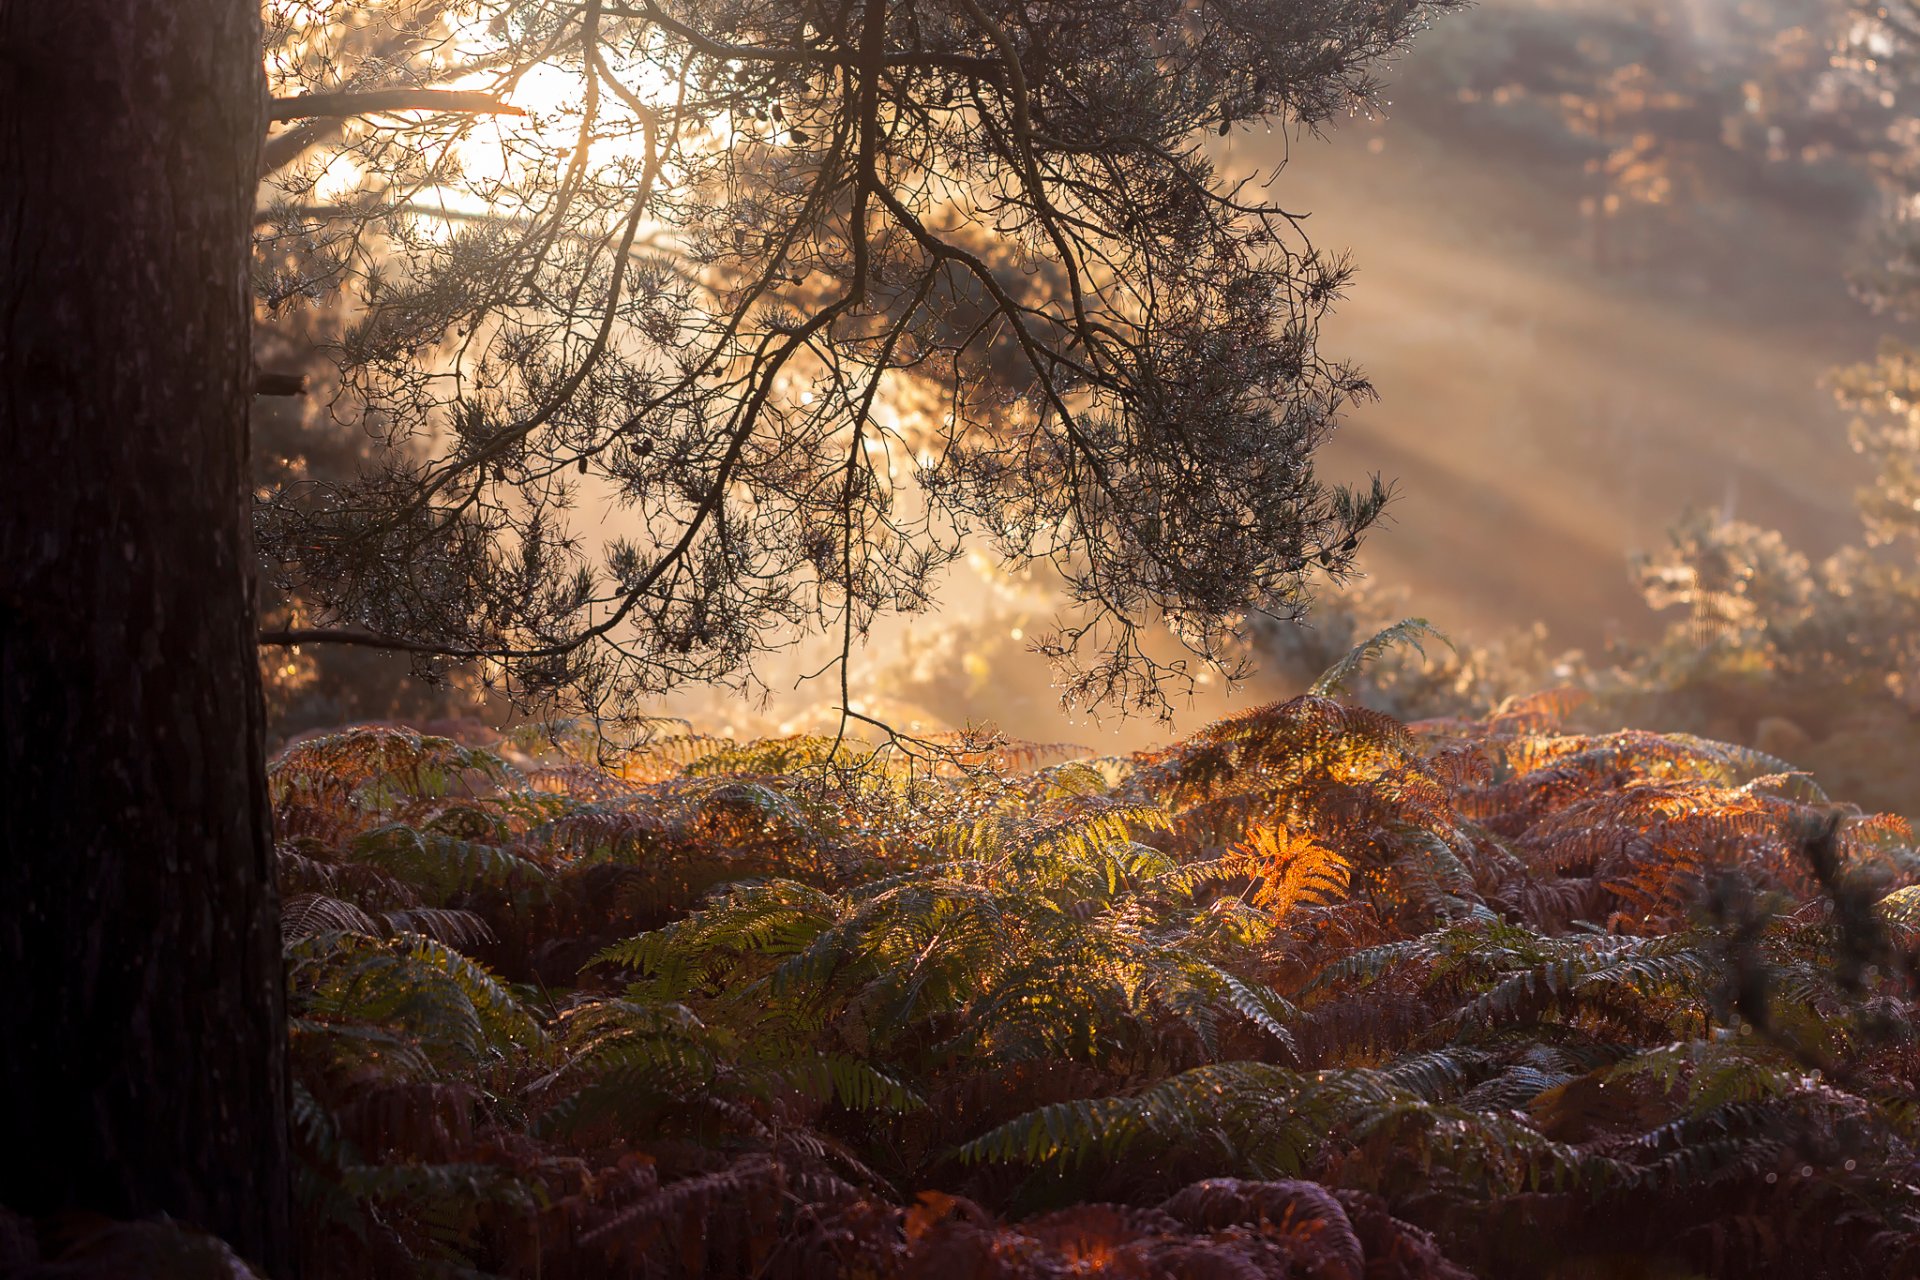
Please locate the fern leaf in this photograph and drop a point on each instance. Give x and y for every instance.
(1408, 631)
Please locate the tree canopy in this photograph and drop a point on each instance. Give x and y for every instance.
(684, 330)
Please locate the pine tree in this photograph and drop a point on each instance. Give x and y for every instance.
(141, 1005)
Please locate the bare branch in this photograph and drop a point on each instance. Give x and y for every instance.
(311, 106)
(290, 637)
(280, 384)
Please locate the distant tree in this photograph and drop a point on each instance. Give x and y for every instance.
(1660, 113)
(141, 997)
(1826, 650)
(1886, 430)
(1883, 52)
(807, 295)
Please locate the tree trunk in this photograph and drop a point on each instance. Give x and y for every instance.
(141, 992)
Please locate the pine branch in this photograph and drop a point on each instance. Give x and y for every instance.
(280, 384)
(311, 106)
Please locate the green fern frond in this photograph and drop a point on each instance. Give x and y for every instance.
(1408, 631)
(1090, 830)
(412, 984)
(1264, 1120)
(1369, 963)
(1436, 1074)
(447, 866)
(1073, 780)
(1262, 1006)
(852, 1083)
(778, 917)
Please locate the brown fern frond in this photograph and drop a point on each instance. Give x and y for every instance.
(671, 755)
(1303, 1213)
(1545, 712)
(1461, 767)
(718, 1223)
(580, 781)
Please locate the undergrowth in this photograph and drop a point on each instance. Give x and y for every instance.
(1310, 993)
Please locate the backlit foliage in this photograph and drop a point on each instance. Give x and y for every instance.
(812, 296)
(1667, 126)
(1312, 992)
(1816, 660)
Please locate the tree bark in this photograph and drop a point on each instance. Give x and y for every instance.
(141, 987)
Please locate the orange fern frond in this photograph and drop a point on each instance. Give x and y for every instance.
(1295, 871)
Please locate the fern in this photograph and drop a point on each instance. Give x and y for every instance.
(566, 1008)
(1295, 872)
(1408, 631)
(414, 986)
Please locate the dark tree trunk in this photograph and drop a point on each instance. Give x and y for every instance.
(142, 1060)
